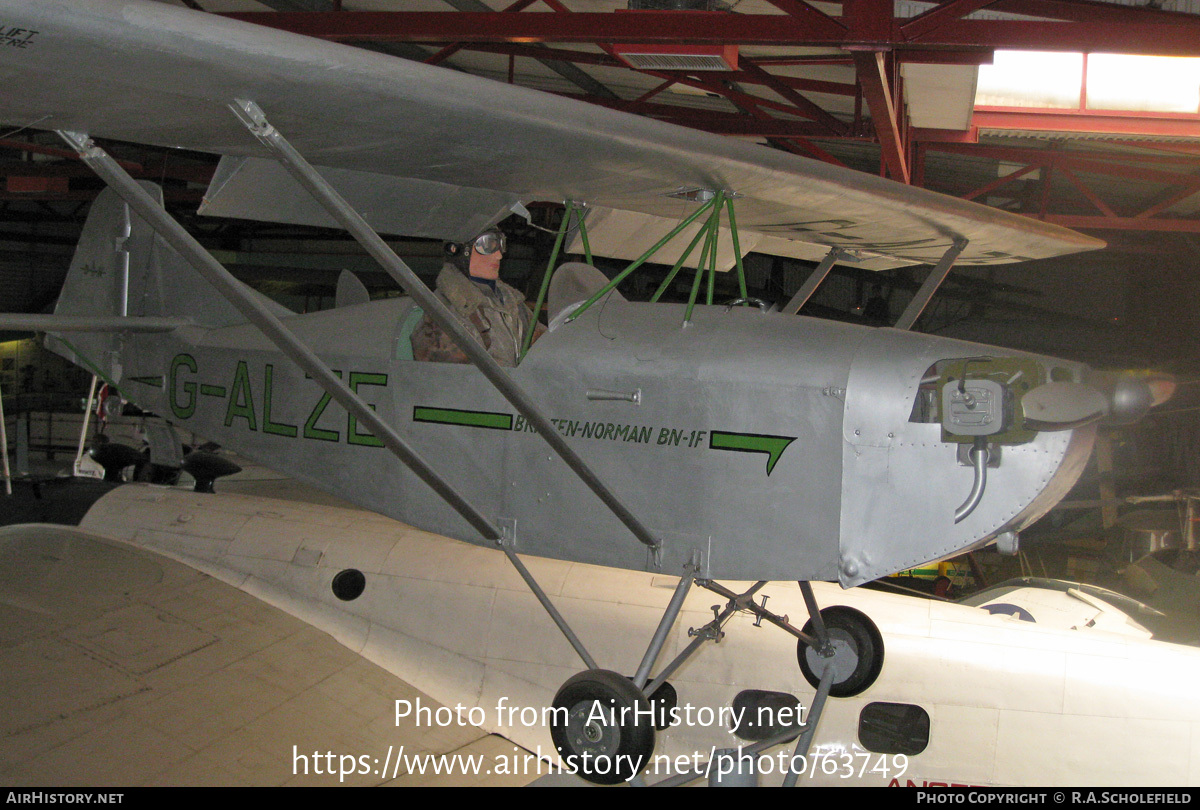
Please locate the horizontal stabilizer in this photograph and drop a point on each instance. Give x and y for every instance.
(87, 323)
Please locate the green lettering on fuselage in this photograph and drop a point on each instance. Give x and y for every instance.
(358, 378)
(184, 394)
(269, 426)
(241, 398)
(182, 411)
(311, 431)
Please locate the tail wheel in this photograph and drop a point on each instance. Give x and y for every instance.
(603, 727)
(857, 651)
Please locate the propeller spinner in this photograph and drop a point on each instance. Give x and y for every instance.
(1119, 398)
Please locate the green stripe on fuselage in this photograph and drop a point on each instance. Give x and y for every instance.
(453, 416)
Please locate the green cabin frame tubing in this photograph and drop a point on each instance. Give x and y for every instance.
(709, 252)
(541, 296)
(710, 233)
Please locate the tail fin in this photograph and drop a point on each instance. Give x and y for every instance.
(122, 268)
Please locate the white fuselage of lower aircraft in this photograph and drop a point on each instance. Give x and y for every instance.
(964, 697)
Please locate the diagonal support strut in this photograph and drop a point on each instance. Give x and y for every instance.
(293, 348)
(256, 121)
(797, 302)
(664, 627)
(930, 286)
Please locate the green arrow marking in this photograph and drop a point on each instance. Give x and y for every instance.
(452, 416)
(773, 446)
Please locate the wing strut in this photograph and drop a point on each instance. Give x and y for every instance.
(252, 116)
(254, 311)
(136, 197)
(292, 347)
(934, 280)
(810, 285)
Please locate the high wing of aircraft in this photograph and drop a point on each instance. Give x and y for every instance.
(424, 151)
(702, 442)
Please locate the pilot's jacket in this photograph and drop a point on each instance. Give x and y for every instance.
(497, 319)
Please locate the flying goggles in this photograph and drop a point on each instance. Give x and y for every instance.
(489, 242)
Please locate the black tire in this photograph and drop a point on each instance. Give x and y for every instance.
(603, 728)
(858, 648)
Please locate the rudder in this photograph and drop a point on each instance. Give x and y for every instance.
(121, 267)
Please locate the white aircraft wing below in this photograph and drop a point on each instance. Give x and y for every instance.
(1007, 702)
(424, 151)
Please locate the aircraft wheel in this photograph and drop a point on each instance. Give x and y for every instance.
(603, 727)
(857, 651)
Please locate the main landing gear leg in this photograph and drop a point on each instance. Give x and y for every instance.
(810, 726)
(604, 723)
(840, 652)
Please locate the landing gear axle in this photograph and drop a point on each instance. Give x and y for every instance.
(854, 650)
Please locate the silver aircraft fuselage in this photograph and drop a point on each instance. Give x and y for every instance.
(758, 445)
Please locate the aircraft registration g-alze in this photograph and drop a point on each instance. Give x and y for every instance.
(691, 443)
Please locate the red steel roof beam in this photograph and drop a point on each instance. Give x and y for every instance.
(753, 105)
(748, 76)
(1178, 148)
(448, 51)
(1136, 173)
(1047, 187)
(1078, 163)
(999, 181)
(444, 54)
(1184, 125)
(813, 16)
(808, 108)
(1091, 196)
(939, 136)
(653, 91)
(559, 8)
(543, 52)
(1167, 202)
(1180, 36)
(871, 74)
(924, 23)
(1087, 12)
(737, 97)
